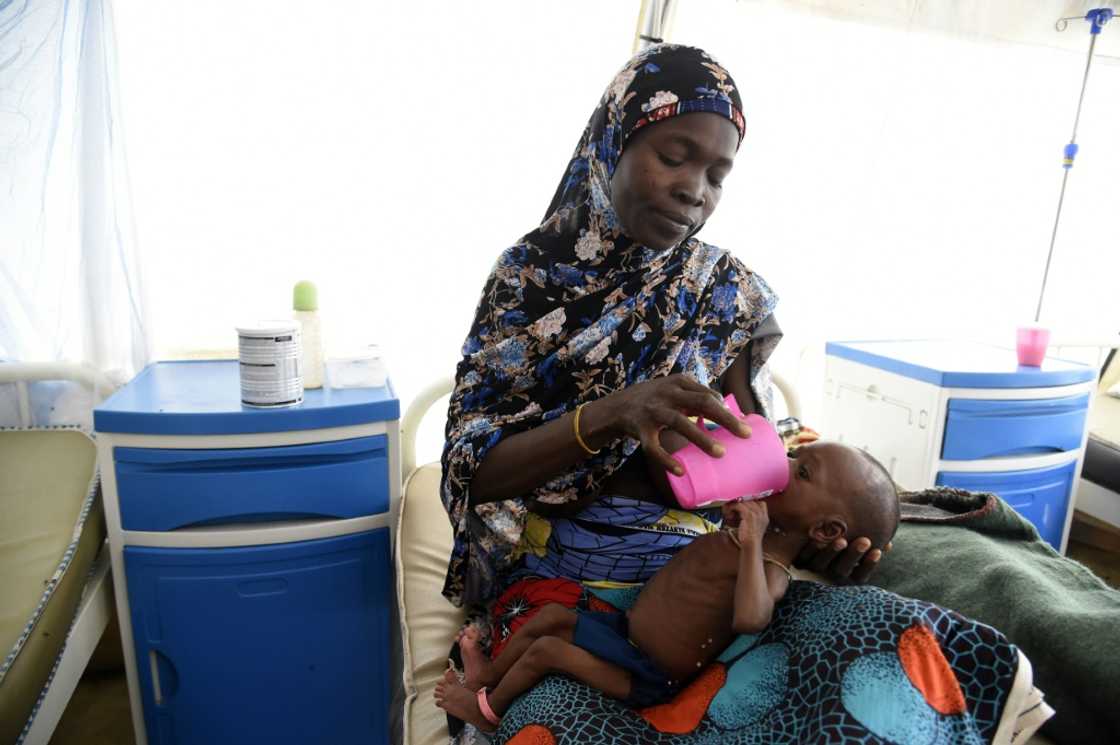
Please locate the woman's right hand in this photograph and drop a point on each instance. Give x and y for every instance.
(644, 409)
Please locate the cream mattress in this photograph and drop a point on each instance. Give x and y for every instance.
(51, 528)
(1104, 419)
(1104, 414)
(428, 621)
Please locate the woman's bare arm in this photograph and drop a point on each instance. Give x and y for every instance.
(737, 380)
(522, 462)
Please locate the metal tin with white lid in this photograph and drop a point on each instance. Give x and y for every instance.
(269, 354)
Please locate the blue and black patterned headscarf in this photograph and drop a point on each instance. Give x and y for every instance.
(576, 311)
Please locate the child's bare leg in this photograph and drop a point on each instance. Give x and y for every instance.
(547, 654)
(551, 620)
(550, 654)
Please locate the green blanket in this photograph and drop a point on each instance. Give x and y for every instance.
(973, 553)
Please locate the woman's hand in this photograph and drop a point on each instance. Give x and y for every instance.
(803, 437)
(643, 410)
(841, 561)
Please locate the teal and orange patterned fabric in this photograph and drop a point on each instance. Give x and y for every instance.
(836, 665)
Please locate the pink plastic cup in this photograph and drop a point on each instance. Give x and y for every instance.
(1030, 345)
(751, 468)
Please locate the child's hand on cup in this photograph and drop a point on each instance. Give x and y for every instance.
(753, 519)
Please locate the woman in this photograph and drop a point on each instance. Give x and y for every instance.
(606, 324)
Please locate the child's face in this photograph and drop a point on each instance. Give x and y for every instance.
(820, 475)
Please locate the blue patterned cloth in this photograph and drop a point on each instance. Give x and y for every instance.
(615, 539)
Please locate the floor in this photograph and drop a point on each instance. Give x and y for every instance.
(98, 713)
(1105, 564)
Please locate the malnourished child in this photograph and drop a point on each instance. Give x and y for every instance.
(722, 584)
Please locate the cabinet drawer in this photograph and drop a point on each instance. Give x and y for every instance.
(1041, 495)
(163, 489)
(980, 428)
(269, 644)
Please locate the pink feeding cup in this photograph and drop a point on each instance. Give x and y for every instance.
(751, 468)
(1030, 345)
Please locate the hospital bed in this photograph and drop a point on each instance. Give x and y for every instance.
(56, 596)
(428, 622)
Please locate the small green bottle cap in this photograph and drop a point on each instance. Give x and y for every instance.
(305, 296)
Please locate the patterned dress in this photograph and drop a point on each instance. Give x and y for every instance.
(576, 311)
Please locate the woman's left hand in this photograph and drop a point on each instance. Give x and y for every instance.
(841, 561)
(804, 436)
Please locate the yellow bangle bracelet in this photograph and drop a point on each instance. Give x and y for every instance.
(575, 429)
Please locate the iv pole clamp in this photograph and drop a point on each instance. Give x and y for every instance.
(1097, 18)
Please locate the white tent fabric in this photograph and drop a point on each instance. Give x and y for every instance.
(69, 275)
(390, 150)
(1012, 21)
(1039, 22)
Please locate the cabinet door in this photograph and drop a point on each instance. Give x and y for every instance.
(284, 643)
(887, 415)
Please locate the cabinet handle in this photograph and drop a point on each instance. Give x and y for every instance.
(873, 393)
(169, 678)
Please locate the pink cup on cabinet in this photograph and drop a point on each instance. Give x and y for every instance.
(751, 468)
(1030, 345)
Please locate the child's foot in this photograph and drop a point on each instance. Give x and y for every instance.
(457, 700)
(476, 665)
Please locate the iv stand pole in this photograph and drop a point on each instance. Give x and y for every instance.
(1097, 18)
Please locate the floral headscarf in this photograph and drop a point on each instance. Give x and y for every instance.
(576, 311)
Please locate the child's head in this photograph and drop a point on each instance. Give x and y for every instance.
(836, 490)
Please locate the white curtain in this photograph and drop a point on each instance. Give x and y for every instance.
(69, 277)
(899, 177)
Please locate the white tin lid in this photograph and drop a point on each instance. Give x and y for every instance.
(268, 328)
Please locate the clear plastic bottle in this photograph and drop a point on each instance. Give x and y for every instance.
(305, 303)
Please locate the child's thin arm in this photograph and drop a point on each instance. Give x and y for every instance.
(758, 585)
(754, 604)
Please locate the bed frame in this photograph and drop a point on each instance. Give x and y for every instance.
(96, 605)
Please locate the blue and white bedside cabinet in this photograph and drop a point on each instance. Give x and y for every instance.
(965, 415)
(251, 556)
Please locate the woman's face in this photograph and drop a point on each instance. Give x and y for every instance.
(669, 178)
